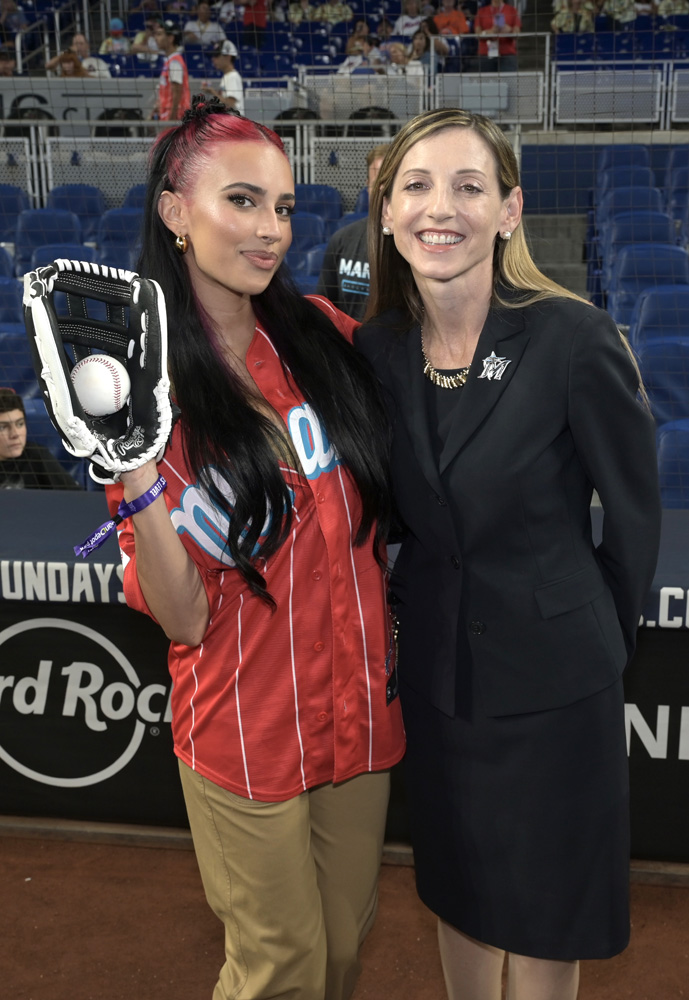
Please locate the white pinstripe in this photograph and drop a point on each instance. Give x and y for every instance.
(361, 620)
(291, 644)
(193, 711)
(236, 691)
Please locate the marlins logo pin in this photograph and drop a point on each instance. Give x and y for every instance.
(494, 367)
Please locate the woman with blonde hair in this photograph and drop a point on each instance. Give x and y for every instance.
(512, 399)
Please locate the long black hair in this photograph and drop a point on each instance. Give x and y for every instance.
(224, 435)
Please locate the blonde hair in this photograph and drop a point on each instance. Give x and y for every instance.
(513, 266)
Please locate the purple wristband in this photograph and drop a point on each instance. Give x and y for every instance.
(125, 509)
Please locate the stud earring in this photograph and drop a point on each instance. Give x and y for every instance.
(387, 231)
(507, 235)
(182, 243)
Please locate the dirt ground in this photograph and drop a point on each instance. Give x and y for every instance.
(89, 920)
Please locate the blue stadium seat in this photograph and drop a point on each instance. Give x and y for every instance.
(308, 230)
(276, 64)
(348, 218)
(659, 312)
(623, 155)
(68, 251)
(642, 266)
(323, 199)
(677, 157)
(673, 464)
(664, 366)
(13, 200)
(619, 177)
(41, 431)
(38, 226)
(120, 227)
(16, 367)
(6, 263)
(135, 196)
(629, 228)
(11, 301)
(85, 200)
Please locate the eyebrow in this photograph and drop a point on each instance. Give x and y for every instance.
(462, 170)
(257, 190)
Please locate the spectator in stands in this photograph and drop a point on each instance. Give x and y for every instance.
(409, 20)
(173, 90)
(301, 11)
(147, 7)
(116, 43)
(8, 63)
(353, 44)
(144, 45)
(399, 64)
(69, 65)
(449, 20)
(574, 16)
(334, 13)
(24, 465)
(384, 33)
(497, 24)
(666, 8)
(621, 11)
(369, 57)
(201, 30)
(96, 68)
(437, 43)
(255, 20)
(231, 89)
(344, 277)
(12, 20)
(228, 11)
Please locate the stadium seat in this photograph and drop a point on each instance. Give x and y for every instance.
(323, 199)
(16, 367)
(659, 312)
(68, 251)
(121, 227)
(6, 263)
(348, 218)
(41, 431)
(677, 157)
(664, 366)
(13, 200)
(85, 200)
(673, 463)
(11, 301)
(623, 155)
(617, 177)
(642, 266)
(308, 231)
(135, 197)
(38, 226)
(632, 228)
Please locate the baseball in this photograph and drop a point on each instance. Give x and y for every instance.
(101, 383)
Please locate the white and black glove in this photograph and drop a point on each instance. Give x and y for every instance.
(134, 333)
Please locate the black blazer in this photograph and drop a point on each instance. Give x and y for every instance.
(497, 562)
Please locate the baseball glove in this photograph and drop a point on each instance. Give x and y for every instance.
(73, 309)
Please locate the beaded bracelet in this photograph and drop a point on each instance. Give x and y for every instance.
(125, 510)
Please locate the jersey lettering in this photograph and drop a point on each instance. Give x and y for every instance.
(310, 440)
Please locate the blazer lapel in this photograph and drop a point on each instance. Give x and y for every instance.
(498, 353)
(414, 414)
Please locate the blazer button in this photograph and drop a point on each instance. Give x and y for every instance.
(441, 502)
(455, 561)
(478, 628)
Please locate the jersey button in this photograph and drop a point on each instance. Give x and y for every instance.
(320, 498)
(317, 574)
(319, 646)
(322, 716)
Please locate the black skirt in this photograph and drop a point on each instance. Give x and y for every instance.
(520, 824)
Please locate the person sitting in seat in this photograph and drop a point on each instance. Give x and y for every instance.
(23, 465)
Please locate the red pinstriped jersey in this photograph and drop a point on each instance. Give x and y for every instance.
(271, 704)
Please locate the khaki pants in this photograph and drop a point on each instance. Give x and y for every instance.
(294, 883)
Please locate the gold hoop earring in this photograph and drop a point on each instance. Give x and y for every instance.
(182, 243)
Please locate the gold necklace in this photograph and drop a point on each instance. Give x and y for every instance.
(455, 381)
